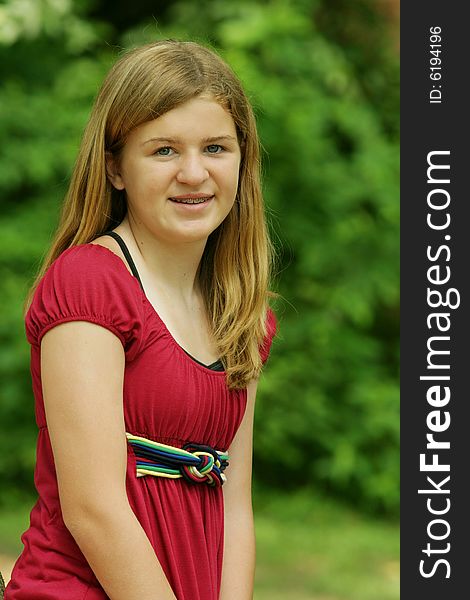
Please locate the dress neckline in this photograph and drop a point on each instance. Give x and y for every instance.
(135, 277)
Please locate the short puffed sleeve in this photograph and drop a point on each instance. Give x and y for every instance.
(271, 328)
(88, 283)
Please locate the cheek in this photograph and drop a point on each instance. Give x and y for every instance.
(143, 182)
(232, 178)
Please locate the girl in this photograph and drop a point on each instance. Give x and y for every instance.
(148, 326)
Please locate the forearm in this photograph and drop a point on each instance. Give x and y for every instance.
(120, 554)
(239, 555)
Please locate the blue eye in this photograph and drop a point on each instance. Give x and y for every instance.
(164, 151)
(214, 148)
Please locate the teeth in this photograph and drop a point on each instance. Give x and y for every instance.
(190, 200)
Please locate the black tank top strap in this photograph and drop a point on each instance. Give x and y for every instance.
(215, 366)
(127, 254)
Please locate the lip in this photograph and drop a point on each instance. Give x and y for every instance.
(192, 196)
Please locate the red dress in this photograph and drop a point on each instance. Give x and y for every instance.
(168, 397)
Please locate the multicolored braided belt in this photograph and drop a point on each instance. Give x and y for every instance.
(194, 462)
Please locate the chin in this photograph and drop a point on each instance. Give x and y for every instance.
(197, 231)
(192, 235)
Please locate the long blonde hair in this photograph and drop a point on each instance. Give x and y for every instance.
(235, 269)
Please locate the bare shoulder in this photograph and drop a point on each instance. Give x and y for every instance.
(108, 242)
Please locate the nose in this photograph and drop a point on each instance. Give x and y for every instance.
(192, 170)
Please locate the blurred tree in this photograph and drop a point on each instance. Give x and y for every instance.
(49, 67)
(324, 82)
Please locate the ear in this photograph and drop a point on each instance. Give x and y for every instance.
(112, 171)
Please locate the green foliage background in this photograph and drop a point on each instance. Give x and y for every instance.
(323, 77)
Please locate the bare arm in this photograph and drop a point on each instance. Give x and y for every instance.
(239, 548)
(82, 368)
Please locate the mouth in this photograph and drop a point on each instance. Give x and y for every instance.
(191, 199)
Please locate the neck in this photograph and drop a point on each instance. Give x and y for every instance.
(174, 266)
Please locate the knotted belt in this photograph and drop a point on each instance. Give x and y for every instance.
(195, 463)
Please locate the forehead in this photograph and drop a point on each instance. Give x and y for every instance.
(196, 119)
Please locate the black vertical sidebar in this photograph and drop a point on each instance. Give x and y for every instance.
(435, 321)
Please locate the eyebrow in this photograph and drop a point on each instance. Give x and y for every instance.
(209, 140)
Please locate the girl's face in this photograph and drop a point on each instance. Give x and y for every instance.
(180, 171)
